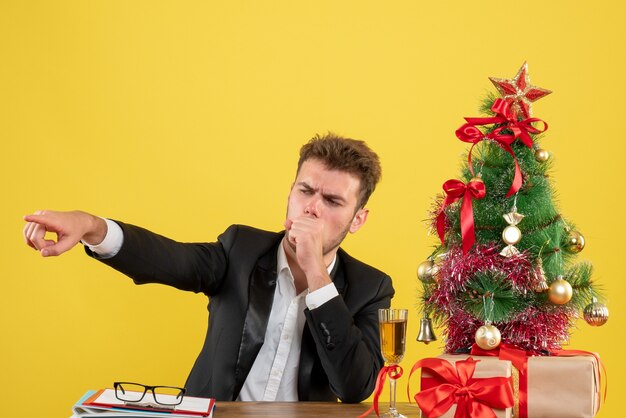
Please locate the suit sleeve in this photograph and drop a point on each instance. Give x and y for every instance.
(147, 257)
(348, 344)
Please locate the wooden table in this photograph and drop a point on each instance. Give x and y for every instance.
(304, 409)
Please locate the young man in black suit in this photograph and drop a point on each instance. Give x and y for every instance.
(291, 315)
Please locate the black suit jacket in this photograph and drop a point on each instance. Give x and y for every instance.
(340, 355)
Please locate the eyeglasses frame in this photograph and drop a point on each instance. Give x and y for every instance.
(147, 388)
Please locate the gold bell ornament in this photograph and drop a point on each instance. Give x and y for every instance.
(426, 333)
(560, 291)
(596, 314)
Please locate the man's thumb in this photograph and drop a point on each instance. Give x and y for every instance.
(58, 248)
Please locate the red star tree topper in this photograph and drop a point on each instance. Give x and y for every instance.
(519, 92)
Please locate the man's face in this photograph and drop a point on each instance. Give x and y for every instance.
(331, 197)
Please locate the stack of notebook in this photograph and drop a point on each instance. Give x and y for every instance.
(104, 404)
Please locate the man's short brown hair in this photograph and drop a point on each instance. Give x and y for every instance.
(344, 154)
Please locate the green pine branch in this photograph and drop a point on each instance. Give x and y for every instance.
(579, 276)
(486, 286)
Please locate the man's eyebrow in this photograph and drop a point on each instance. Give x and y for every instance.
(331, 196)
(305, 185)
(334, 197)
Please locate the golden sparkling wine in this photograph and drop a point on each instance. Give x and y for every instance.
(392, 340)
(392, 324)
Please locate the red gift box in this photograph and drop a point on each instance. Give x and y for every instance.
(564, 385)
(458, 386)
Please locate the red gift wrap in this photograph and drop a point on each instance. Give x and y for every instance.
(462, 386)
(564, 385)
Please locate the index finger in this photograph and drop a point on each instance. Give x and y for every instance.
(41, 218)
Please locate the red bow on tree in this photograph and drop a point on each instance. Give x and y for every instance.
(474, 397)
(508, 121)
(456, 189)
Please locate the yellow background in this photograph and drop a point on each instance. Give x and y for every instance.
(185, 117)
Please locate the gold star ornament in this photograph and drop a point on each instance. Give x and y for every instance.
(519, 92)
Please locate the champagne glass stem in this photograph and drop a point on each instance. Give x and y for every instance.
(392, 395)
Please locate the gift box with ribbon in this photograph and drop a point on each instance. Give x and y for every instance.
(461, 386)
(565, 384)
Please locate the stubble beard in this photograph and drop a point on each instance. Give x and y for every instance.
(334, 244)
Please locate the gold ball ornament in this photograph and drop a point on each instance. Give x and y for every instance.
(596, 314)
(427, 271)
(477, 179)
(575, 242)
(560, 291)
(488, 337)
(541, 155)
(511, 235)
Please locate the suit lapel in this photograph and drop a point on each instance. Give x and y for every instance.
(261, 297)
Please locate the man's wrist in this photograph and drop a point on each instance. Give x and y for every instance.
(112, 242)
(318, 281)
(97, 231)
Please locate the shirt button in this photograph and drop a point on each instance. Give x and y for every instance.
(330, 346)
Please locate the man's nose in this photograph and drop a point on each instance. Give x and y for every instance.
(312, 208)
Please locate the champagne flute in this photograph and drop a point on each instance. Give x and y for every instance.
(392, 323)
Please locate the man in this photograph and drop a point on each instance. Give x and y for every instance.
(291, 315)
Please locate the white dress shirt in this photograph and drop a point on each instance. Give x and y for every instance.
(274, 373)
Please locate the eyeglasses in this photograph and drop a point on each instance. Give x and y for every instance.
(135, 392)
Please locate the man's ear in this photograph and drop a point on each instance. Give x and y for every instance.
(359, 219)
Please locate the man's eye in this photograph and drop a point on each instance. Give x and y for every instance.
(332, 202)
(306, 191)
